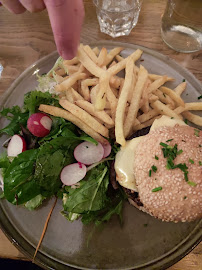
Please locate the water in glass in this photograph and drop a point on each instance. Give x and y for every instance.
(181, 27)
(117, 17)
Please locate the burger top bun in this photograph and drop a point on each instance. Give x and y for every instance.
(167, 193)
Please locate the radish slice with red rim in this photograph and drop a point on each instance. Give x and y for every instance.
(88, 153)
(107, 149)
(73, 173)
(16, 146)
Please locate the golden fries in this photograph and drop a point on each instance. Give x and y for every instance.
(55, 111)
(119, 119)
(85, 117)
(97, 99)
(134, 106)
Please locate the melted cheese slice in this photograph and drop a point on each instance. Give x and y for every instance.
(125, 157)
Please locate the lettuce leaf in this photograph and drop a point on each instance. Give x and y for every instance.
(16, 118)
(19, 183)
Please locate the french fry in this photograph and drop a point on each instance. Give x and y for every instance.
(85, 92)
(146, 124)
(112, 54)
(60, 72)
(101, 115)
(71, 62)
(180, 88)
(102, 57)
(163, 109)
(69, 95)
(173, 95)
(164, 98)
(88, 63)
(147, 116)
(72, 69)
(145, 97)
(90, 53)
(134, 106)
(101, 94)
(85, 117)
(76, 95)
(193, 106)
(65, 85)
(155, 77)
(58, 112)
(179, 110)
(96, 51)
(122, 64)
(156, 84)
(196, 119)
(119, 118)
(112, 100)
(115, 81)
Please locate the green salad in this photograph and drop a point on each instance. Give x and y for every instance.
(34, 175)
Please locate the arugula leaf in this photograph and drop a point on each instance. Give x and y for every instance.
(33, 99)
(114, 206)
(4, 162)
(117, 210)
(60, 127)
(91, 195)
(35, 202)
(16, 118)
(52, 157)
(19, 184)
(70, 216)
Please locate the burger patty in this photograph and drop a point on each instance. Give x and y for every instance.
(133, 196)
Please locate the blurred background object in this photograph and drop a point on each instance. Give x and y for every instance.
(117, 17)
(181, 27)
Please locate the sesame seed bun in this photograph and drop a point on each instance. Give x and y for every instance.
(176, 200)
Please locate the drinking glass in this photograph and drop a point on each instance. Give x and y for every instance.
(117, 17)
(181, 27)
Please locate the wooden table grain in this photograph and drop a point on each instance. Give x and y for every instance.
(28, 37)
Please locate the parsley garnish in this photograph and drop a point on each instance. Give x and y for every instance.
(191, 161)
(169, 140)
(156, 189)
(171, 153)
(185, 197)
(149, 173)
(154, 168)
(200, 97)
(172, 118)
(200, 145)
(179, 152)
(200, 163)
(145, 225)
(157, 158)
(183, 80)
(196, 132)
(186, 121)
(193, 184)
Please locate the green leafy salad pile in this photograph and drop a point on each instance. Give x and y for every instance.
(34, 175)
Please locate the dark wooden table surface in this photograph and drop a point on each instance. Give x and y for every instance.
(28, 37)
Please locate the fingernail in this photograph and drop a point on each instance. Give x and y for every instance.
(54, 3)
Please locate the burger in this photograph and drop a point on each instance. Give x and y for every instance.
(161, 172)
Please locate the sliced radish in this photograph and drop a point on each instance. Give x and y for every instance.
(39, 124)
(88, 153)
(16, 146)
(107, 149)
(73, 173)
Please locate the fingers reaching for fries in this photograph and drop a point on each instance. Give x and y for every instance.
(97, 99)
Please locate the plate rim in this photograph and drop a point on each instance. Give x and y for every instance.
(42, 259)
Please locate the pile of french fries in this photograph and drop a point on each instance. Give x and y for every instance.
(97, 100)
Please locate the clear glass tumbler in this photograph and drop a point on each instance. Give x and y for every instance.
(181, 27)
(117, 17)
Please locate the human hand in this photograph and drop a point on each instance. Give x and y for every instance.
(66, 17)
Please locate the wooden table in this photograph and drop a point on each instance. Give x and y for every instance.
(28, 37)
